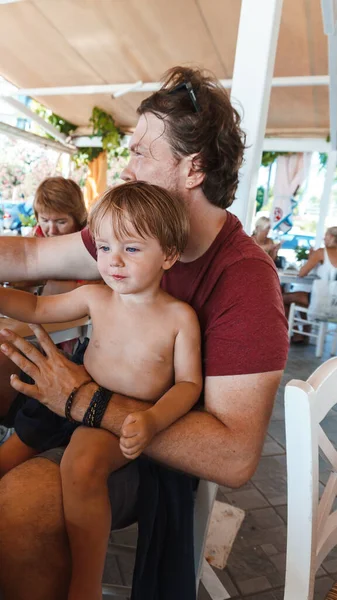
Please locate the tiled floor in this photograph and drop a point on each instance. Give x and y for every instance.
(256, 564)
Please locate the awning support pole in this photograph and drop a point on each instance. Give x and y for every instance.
(325, 199)
(251, 87)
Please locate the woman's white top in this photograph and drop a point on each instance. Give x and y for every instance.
(327, 271)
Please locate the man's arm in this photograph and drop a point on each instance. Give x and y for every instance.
(314, 258)
(180, 398)
(222, 444)
(59, 257)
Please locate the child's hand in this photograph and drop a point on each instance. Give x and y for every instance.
(138, 430)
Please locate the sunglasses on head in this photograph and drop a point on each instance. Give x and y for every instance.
(187, 86)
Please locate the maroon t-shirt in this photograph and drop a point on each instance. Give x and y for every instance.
(235, 290)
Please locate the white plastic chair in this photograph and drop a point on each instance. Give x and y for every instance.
(202, 513)
(312, 528)
(319, 329)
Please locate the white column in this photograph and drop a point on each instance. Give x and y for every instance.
(65, 165)
(329, 13)
(252, 77)
(324, 204)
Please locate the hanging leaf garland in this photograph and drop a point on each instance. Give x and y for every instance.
(103, 125)
(269, 157)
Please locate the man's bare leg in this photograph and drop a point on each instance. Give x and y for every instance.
(34, 552)
(301, 298)
(86, 464)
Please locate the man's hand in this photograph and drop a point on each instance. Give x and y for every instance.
(137, 431)
(55, 376)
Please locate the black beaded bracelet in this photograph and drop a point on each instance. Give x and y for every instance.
(70, 400)
(97, 407)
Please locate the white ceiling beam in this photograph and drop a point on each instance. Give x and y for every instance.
(118, 89)
(300, 81)
(24, 110)
(271, 144)
(86, 141)
(134, 87)
(35, 139)
(296, 145)
(79, 90)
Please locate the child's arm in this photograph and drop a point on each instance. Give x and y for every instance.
(180, 398)
(141, 427)
(44, 309)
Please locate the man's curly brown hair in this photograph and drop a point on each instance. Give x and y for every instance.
(212, 132)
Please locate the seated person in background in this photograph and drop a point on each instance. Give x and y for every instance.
(325, 259)
(59, 210)
(260, 235)
(153, 341)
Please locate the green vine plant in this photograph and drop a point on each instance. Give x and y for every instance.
(58, 122)
(269, 157)
(103, 125)
(301, 253)
(323, 157)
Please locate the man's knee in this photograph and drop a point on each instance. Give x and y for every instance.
(34, 552)
(30, 503)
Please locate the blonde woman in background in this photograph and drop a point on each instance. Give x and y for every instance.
(325, 259)
(260, 235)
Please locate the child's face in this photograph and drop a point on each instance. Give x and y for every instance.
(132, 264)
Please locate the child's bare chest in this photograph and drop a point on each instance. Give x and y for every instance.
(132, 355)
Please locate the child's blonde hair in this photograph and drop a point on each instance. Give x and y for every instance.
(150, 209)
(63, 196)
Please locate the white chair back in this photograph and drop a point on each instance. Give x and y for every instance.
(202, 515)
(299, 317)
(312, 528)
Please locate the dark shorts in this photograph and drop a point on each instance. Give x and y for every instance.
(123, 489)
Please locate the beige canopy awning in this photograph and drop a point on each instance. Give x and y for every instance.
(57, 43)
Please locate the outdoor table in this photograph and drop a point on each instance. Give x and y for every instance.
(288, 276)
(59, 332)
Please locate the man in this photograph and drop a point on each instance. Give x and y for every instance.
(188, 139)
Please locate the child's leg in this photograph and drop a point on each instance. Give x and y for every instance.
(89, 459)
